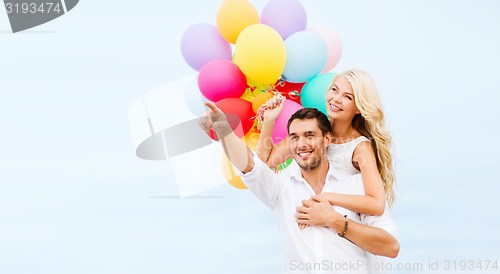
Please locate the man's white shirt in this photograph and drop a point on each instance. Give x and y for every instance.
(314, 249)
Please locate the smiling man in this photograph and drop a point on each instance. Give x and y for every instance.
(339, 239)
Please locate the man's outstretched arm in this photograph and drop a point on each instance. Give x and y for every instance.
(259, 179)
(236, 150)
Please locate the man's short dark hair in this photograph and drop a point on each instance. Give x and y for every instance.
(312, 113)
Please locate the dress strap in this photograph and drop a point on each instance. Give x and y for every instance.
(355, 143)
(359, 140)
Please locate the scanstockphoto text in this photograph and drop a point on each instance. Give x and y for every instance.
(452, 265)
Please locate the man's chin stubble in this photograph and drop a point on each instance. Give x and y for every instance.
(310, 167)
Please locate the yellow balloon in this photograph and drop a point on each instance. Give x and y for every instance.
(258, 86)
(233, 16)
(230, 174)
(260, 53)
(250, 94)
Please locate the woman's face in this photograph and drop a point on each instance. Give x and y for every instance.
(340, 104)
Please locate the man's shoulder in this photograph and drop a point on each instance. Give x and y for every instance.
(291, 171)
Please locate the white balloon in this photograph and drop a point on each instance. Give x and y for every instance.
(194, 100)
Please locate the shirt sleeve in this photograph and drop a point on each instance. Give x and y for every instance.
(384, 222)
(263, 182)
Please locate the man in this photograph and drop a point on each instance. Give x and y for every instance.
(338, 239)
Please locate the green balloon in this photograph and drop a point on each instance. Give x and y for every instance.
(313, 94)
(284, 165)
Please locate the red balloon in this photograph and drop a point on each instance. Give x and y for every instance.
(239, 114)
(290, 90)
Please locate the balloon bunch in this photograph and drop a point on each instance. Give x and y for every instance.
(273, 53)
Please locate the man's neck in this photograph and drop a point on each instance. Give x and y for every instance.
(316, 177)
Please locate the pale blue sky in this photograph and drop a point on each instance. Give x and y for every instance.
(75, 199)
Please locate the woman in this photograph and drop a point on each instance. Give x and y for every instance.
(360, 142)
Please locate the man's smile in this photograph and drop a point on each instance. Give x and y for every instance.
(305, 154)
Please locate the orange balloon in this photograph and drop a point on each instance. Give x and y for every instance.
(251, 139)
(260, 100)
(230, 174)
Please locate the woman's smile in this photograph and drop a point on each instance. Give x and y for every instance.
(335, 108)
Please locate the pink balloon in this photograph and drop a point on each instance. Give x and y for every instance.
(220, 79)
(333, 43)
(280, 131)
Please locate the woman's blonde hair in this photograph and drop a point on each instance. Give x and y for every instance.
(370, 123)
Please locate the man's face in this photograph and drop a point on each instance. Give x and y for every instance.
(307, 143)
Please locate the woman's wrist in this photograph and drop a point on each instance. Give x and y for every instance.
(330, 197)
(269, 123)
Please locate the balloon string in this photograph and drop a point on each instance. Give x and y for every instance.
(251, 97)
(260, 112)
(252, 94)
(260, 117)
(294, 94)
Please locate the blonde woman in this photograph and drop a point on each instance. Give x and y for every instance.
(360, 143)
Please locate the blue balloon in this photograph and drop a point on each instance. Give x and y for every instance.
(313, 94)
(306, 55)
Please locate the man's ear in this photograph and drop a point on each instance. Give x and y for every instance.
(327, 139)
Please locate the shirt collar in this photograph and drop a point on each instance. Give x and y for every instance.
(293, 171)
(331, 171)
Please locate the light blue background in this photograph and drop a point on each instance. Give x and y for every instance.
(75, 199)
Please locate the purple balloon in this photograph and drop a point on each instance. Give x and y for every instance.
(202, 43)
(285, 16)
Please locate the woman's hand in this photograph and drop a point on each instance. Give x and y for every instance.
(321, 196)
(274, 107)
(316, 211)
